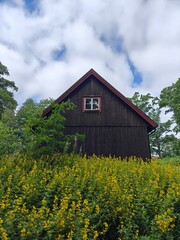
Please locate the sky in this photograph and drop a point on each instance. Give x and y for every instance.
(48, 45)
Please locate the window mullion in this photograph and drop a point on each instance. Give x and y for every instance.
(91, 103)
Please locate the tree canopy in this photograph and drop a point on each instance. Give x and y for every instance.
(170, 98)
(163, 141)
(7, 100)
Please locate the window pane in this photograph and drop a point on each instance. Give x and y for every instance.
(88, 106)
(95, 103)
(88, 103)
(88, 100)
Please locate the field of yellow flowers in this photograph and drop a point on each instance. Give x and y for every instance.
(73, 197)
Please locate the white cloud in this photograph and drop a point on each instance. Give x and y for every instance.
(150, 33)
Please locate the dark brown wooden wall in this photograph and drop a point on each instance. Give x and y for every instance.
(114, 112)
(114, 141)
(116, 130)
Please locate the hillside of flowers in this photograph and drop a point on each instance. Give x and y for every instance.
(73, 197)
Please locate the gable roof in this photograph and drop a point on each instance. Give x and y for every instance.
(91, 72)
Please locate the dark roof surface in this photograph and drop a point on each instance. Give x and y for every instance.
(152, 124)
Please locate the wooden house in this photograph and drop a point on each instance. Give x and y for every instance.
(112, 124)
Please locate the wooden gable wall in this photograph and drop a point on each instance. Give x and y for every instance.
(116, 130)
(114, 111)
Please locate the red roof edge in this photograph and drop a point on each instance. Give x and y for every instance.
(152, 124)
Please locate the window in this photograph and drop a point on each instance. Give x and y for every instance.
(91, 104)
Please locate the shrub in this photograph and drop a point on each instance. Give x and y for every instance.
(73, 197)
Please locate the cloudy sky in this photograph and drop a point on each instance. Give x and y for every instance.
(48, 45)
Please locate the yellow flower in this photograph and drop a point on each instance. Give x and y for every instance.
(23, 233)
(43, 202)
(85, 202)
(1, 221)
(165, 221)
(4, 236)
(95, 234)
(97, 209)
(9, 178)
(105, 228)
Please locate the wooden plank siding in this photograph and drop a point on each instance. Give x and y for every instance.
(117, 130)
(114, 141)
(113, 113)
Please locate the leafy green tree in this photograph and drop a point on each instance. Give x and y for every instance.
(14, 136)
(7, 100)
(30, 109)
(25, 115)
(170, 98)
(47, 134)
(28, 132)
(8, 140)
(162, 141)
(147, 103)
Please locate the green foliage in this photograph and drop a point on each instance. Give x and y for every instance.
(8, 141)
(7, 100)
(30, 109)
(47, 134)
(171, 160)
(13, 127)
(170, 98)
(28, 132)
(163, 142)
(72, 197)
(147, 103)
(25, 115)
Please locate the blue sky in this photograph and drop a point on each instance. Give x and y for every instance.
(116, 44)
(48, 45)
(31, 5)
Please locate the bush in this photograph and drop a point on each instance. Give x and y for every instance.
(172, 160)
(73, 197)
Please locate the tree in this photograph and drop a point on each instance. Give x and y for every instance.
(30, 109)
(39, 136)
(147, 103)
(28, 132)
(14, 136)
(47, 134)
(162, 141)
(170, 98)
(7, 100)
(8, 141)
(24, 116)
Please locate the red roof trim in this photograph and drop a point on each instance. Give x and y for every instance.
(152, 124)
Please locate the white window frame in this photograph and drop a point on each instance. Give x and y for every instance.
(91, 103)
